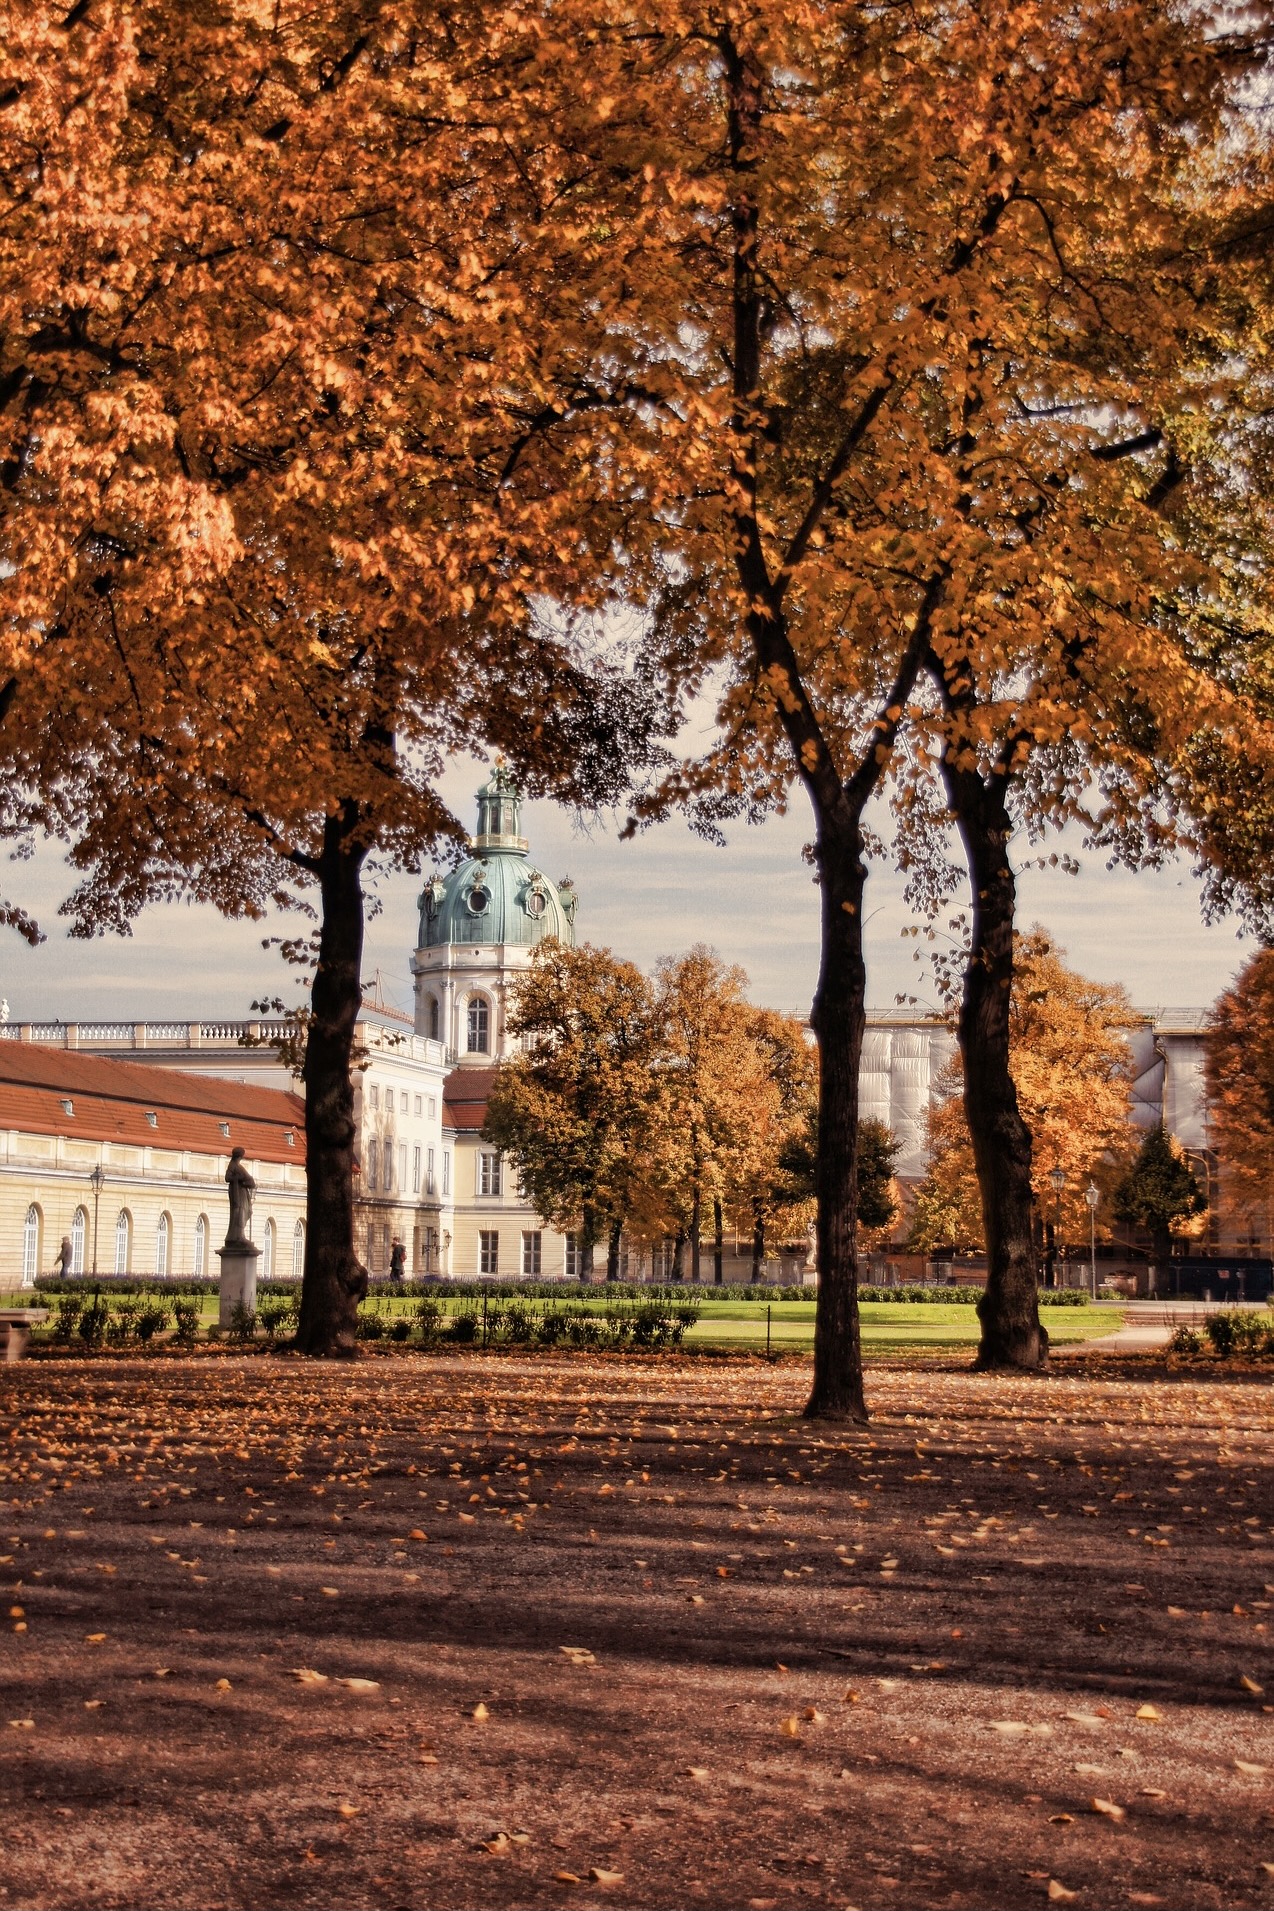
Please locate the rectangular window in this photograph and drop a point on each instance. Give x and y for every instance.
(402, 1164)
(415, 1171)
(429, 1172)
(531, 1247)
(371, 1246)
(374, 1094)
(402, 1102)
(433, 1107)
(446, 1171)
(488, 1251)
(373, 1163)
(388, 1182)
(419, 1109)
(431, 1250)
(489, 1176)
(572, 1257)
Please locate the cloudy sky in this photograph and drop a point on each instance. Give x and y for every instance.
(753, 901)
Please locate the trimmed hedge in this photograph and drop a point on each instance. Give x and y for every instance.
(122, 1285)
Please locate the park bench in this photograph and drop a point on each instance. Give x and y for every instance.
(15, 1330)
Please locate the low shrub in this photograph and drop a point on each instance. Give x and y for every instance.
(92, 1323)
(519, 1324)
(121, 1322)
(275, 1317)
(429, 1315)
(464, 1327)
(155, 1317)
(400, 1328)
(371, 1326)
(1185, 1341)
(1243, 1332)
(70, 1307)
(186, 1318)
(243, 1323)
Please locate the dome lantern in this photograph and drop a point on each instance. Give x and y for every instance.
(499, 813)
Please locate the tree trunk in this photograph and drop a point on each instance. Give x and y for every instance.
(679, 1257)
(758, 1244)
(1012, 1333)
(838, 1020)
(334, 1281)
(587, 1238)
(612, 1250)
(718, 1243)
(696, 1216)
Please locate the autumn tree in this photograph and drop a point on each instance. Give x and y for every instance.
(1070, 1062)
(1159, 1192)
(1239, 1073)
(772, 1191)
(262, 558)
(893, 347)
(578, 1111)
(721, 1093)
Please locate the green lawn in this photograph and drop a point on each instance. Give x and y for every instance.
(888, 1326)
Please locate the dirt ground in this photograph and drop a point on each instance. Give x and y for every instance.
(638, 1636)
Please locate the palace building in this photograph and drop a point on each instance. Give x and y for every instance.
(156, 1106)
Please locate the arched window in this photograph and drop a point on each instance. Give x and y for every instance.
(373, 1164)
(123, 1241)
(298, 1250)
(267, 1252)
(479, 1027)
(79, 1228)
(201, 1245)
(162, 1233)
(31, 1245)
(435, 1019)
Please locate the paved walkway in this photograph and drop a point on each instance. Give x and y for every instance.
(1146, 1324)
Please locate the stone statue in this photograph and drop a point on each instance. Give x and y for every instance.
(65, 1262)
(242, 1188)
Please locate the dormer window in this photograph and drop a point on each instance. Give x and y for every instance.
(152, 1119)
(225, 1128)
(535, 903)
(68, 1106)
(479, 900)
(290, 1138)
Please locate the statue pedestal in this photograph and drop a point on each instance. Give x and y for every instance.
(238, 1278)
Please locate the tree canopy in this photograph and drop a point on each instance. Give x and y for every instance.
(1159, 1192)
(1070, 1060)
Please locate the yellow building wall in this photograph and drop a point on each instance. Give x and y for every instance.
(51, 1174)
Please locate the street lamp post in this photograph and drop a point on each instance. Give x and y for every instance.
(1058, 1180)
(96, 1180)
(1092, 1197)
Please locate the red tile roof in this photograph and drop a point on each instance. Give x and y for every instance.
(110, 1101)
(464, 1098)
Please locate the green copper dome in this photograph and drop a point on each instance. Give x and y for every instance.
(497, 896)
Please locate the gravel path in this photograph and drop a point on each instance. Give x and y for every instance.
(486, 1632)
